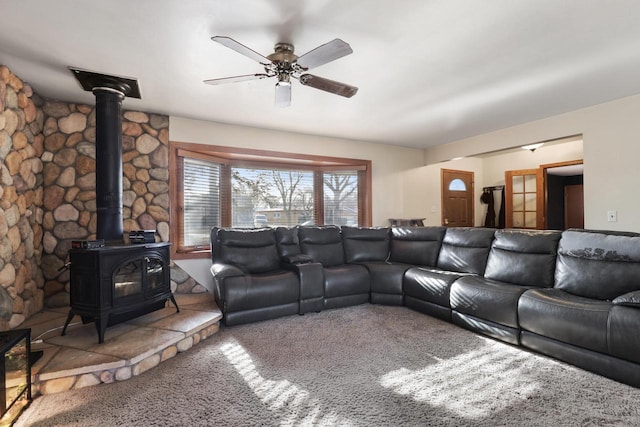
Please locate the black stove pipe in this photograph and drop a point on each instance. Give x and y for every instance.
(109, 163)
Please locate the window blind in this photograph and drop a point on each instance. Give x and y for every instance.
(201, 193)
(340, 189)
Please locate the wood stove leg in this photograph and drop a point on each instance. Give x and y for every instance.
(101, 326)
(173, 300)
(69, 318)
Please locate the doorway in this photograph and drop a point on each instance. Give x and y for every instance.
(549, 197)
(564, 195)
(457, 198)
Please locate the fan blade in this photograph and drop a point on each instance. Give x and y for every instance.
(324, 53)
(240, 48)
(327, 85)
(236, 79)
(283, 94)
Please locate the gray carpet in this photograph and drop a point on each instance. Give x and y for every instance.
(360, 366)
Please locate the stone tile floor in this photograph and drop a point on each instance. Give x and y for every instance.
(77, 360)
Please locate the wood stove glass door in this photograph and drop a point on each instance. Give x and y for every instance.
(127, 280)
(155, 276)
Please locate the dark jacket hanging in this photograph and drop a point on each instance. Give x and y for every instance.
(490, 219)
(501, 215)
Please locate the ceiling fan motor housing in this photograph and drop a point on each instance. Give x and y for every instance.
(283, 62)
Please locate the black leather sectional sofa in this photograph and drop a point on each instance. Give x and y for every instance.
(572, 295)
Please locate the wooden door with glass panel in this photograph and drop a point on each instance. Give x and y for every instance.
(524, 201)
(457, 198)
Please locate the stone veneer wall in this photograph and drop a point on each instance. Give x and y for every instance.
(47, 193)
(69, 180)
(21, 201)
(69, 186)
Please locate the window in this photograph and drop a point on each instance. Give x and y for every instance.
(201, 200)
(457, 185)
(341, 197)
(226, 187)
(284, 197)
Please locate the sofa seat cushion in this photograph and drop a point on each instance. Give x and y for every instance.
(347, 279)
(624, 338)
(554, 313)
(386, 277)
(429, 284)
(261, 290)
(487, 299)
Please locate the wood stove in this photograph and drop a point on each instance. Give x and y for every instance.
(115, 282)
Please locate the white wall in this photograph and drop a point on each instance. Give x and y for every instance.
(423, 195)
(389, 163)
(495, 166)
(422, 185)
(611, 133)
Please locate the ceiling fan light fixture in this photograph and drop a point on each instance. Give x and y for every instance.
(283, 94)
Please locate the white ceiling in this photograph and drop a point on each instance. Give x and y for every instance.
(428, 71)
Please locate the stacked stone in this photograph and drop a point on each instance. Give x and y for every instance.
(69, 179)
(21, 200)
(49, 384)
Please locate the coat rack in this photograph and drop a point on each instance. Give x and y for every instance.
(494, 188)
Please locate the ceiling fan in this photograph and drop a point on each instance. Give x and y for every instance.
(284, 64)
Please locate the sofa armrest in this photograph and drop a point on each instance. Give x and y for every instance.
(220, 272)
(630, 299)
(311, 276)
(296, 259)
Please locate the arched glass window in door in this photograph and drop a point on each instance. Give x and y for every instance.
(457, 185)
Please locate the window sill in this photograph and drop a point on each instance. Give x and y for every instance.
(196, 254)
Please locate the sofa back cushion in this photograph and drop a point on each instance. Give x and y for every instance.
(253, 251)
(416, 245)
(322, 244)
(362, 244)
(465, 249)
(523, 257)
(288, 242)
(598, 264)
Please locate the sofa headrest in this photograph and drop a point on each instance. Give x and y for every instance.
(253, 251)
(598, 264)
(527, 241)
(601, 245)
(288, 241)
(523, 257)
(362, 244)
(469, 237)
(465, 249)
(323, 244)
(416, 245)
